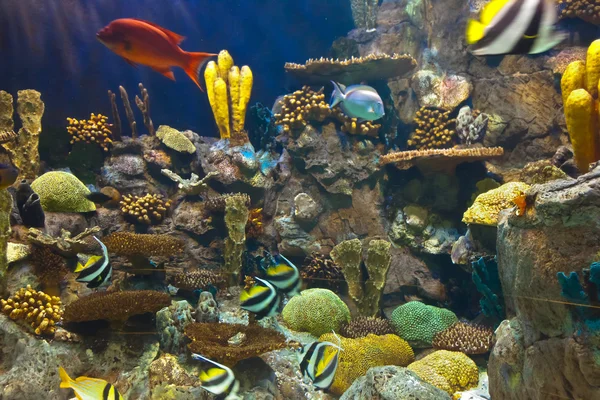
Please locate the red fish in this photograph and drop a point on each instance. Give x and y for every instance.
(143, 42)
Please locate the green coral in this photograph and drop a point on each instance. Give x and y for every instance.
(62, 192)
(317, 311)
(451, 371)
(488, 205)
(175, 140)
(418, 323)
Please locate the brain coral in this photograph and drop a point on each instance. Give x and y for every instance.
(450, 371)
(418, 323)
(486, 207)
(361, 354)
(62, 192)
(317, 311)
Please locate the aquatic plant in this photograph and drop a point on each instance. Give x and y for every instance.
(366, 293)
(361, 354)
(39, 310)
(115, 306)
(230, 343)
(450, 371)
(487, 281)
(418, 323)
(316, 311)
(65, 244)
(62, 192)
(149, 209)
(321, 271)
(95, 130)
(175, 140)
(193, 186)
(435, 129)
(236, 218)
(362, 326)
(198, 279)
(464, 337)
(487, 206)
(135, 244)
(229, 88)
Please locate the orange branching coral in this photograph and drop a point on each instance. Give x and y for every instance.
(466, 338)
(39, 310)
(115, 306)
(231, 343)
(254, 227)
(149, 209)
(199, 279)
(435, 129)
(94, 130)
(137, 244)
(363, 326)
(320, 271)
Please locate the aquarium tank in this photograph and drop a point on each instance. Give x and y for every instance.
(281, 200)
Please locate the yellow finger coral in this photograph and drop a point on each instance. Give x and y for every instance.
(592, 68)
(573, 78)
(486, 207)
(582, 126)
(94, 130)
(450, 371)
(62, 192)
(361, 354)
(36, 308)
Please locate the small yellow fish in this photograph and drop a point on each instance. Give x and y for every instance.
(89, 388)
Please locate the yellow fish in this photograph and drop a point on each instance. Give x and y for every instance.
(89, 388)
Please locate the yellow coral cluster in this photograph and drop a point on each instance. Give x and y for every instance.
(586, 10)
(228, 88)
(579, 85)
(37, 308)
(361, 354)
(149, 209)
(434, 129)
(450, 371)
(488, 205)
(95, 130)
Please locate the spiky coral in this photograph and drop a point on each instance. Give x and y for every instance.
(95, 130)
(317, 311)
(488, 205)
(62, 192)
(363, 326)
(435, 129)
(321, 271)
(466, 338)
(448, 370)
(36, 308)
(134, 244)
(418, 323)
(213, 341)
(149, 209)
(198, 279)
(115, 306)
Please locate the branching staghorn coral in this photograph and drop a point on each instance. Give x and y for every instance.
(94, 130)
(149, 209)
(194, 185)
(435, 129)
(364, 13)
(65, 245)
(466, 338)
(36, 308)
(143, 104)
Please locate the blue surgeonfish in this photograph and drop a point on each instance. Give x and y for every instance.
(514, 27)
(283, 275)
(357, 101)
(261, 299)
(89, 388)
(97, 271)
(319, 361)
(219, 379)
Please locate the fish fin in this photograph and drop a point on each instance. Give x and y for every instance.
(165, 72)
(134, 65)
(337, 95)
(65, 378)
(475, 31)
(174, 37)
(194, 65)
(79, 267)
(491, 9)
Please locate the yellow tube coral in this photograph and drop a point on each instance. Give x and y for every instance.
(222, 111)
(234, 98)
(593, 68)
(211, 73)
(246, 82)
(581, 124)
(225, 62)
(573, 78)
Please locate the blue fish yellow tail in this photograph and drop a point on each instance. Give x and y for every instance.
(65, 378)
(338, 94)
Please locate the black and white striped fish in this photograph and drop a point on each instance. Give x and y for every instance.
(320, 361)
(261, 299)
(219, 379)
(97, 271)
(514, 27)
(283, 275)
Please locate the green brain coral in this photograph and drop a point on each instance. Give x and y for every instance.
(451, 371)
(418, 323)
(62, 192)
(175, 140)
(317, 311)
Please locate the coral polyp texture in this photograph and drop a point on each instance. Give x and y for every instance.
(361, 354)
(435, 129)
(62, 192)
(37, 309)
(175, 140)
(149, 209)
(586, 10)
(418, 323)
(450, 371)
(373, 67)
(115, 306)
(134, 244)
(488, 205)
(321, 271)
(230, 343)
(95, 130)
(218, 203)
(362, 326)
(49, 266)
(198, 279)
(316, 311)
(464, 337)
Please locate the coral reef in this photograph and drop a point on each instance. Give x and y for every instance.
(364, 13)
(198, 279)
(143, 103)
(448, 370)
(6, 203)
(115, 306)
(361, 354)
(236, 218)
(62, 192)
(470, 125)
(440, 90)
(149, 209)
(37, 309)
(175, 140)
(65, 244)
(362, 326)
(254, 227)
(586, 10)
(49, 267)
(540, 172)
(373, 67)
(418, 323)
(133, 244)
(316, 311)
(95, 130)
(486, 280)
(466, 338)
(207, 309)
(17, 252)
(212, 340)
(193, 186)
(321, 271)
(116, 129)
(435, 129)
(488, 205)
(218, 203)
(170, 326)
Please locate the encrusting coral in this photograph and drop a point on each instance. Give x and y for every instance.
(229, 88)
(362, 326)
(236, 218)
(214, 340)
(133, 244)
(149, 209)
(115, 306)
(488, 205)
(36, 308)
(435, 129)
(62, 192)
(198, 279)
(175, 140)
(321, 271)
(17, 252)
(464, 337)
(587, 10)
(218, 203)
(94, 130)
(418, 323)
(361, 354)
(316, 311)
(448, 370)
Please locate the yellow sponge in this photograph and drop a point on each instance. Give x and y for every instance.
(582, 123)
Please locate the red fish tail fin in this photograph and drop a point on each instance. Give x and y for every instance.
(194, 65)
